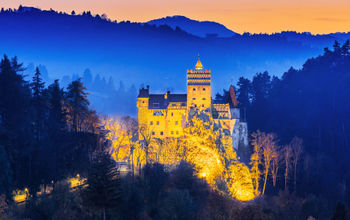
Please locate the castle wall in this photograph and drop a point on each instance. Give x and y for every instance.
(161, 123)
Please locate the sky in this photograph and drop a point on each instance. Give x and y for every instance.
(255, 16)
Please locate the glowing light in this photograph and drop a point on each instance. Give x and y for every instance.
(208, 149)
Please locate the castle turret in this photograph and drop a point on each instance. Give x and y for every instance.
(198, 87)
(142, 105)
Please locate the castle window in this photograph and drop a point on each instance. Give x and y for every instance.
(203, 89)
(194, 99)
(203, 98)
(172, 114)
(156, 105)
(176, 122)
(172, 132)
(161, 133)
(151, 123)
(202, 105)
(152, 132)
(194, 89)
(177, 132)
(143, 101)
(157, 122)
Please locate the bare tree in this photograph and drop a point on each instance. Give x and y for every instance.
(297, 148)
(269, 148)
(132, 131)
(264, 150)
(255, 160)
(287, 161)
(146, 138)
(276, 158)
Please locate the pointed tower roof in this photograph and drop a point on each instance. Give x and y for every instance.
(199, 65)
(233, 97)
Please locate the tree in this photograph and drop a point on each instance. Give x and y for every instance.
(57, 115)
(6, 182)
(3, 205)
(287, 162)
(244, 95)
(57, 123)
(340, 212)
(15, 118)
(297, 148)
(267, 143)
(336, 47)
(276, 157)
(255, 161)
(77, 104)
(244, 87)
(145, 140)
(269, 149)
(102, 190)
(345, 49)
(119, 137)
(38, 102)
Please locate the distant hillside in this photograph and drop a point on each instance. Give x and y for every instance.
(137, 53)
(197, 28)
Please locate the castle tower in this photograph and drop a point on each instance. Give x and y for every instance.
(198, 87)
(142, 105)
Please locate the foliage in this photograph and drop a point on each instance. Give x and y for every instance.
(102, 191)
(37, 145)
(312, 104)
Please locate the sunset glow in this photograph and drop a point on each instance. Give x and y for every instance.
(316, 16)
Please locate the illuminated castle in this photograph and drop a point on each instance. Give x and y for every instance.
(165, 115)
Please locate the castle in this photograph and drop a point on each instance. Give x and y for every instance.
(166, 114)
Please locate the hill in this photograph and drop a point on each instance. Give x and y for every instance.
(141, 53)
(197, 28)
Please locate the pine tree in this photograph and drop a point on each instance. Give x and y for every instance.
(340, 212)
(103, 187)
(336, 47)
(345, 49)
(243, 91)
(15, 121)
(57, 116)
(38, 102)
(77, 104)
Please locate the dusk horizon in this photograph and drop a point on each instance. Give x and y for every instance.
(305, 16)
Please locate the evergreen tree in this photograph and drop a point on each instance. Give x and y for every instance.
(15, 127)
(345, 49)
(38, 102)
(103, 186)
(57, 115)
(77, 104)
(340, 212)
(244, 92)
(336, 47)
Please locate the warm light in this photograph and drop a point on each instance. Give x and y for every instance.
(208, 149)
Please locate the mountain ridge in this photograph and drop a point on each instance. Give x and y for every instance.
(195, 27)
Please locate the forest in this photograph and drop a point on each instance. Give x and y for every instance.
(63, 158)
(69, 42)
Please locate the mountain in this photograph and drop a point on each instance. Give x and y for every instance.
(197, 28)
(146, 54)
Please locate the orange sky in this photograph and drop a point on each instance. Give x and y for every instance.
(256, 16)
